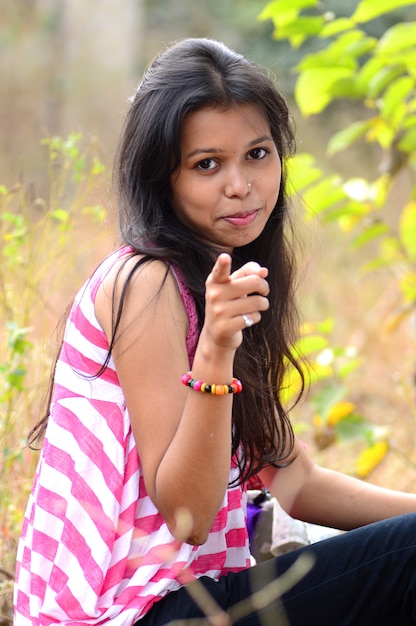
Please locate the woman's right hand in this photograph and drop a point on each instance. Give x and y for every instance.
(229, 297)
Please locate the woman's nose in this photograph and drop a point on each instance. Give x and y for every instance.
(236, 184)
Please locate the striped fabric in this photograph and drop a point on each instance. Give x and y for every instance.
(93, 548)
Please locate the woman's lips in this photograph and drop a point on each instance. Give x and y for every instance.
(242, 219)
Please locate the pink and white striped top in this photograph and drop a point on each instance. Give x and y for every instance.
(94, 549)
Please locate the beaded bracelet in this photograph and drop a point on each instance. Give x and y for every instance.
(236, 386)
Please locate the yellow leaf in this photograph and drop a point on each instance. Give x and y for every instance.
(307, 328)
(317, 421)
(393, 321)
(339, 411)
(370, 458)
(407, 226)
(348, 222)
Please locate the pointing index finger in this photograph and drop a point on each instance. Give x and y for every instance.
(222, 267)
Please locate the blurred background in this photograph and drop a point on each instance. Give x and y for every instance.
(69, 67)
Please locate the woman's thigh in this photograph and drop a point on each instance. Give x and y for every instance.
(364, 577)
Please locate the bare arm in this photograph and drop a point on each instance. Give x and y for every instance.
(183, 437)
(321, 496)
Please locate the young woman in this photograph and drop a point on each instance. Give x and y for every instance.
(166, 390)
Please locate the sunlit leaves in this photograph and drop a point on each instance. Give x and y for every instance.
(288, 23)
(344, 138)
(398, 38)
(393, 105)
(370, 9)
(302, 171)
(320, 359)
(326, 193)
(382, 74)
(314, 85)
(337, 26)
(350, 64)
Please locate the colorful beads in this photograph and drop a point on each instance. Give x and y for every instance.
(236, 386)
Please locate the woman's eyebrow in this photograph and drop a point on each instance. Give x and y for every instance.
(203, 151)
(260, 140)
(212, 150)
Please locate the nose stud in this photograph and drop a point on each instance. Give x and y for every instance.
(249, 185)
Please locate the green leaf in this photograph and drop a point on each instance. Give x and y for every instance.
(340, 53)
(311, 343)
(375, 264)
(361, 47)
(352, 428)
(326, 326)
(97, 211)
(302, 172)
(79, 168)
(344, 88)
(408, 288)
(369, 233)
(366, 73)
(395, 97)
(315, 373)
(97, 167)
(60, 215)
(408, 142)
(347, 136)
(16, 340)
(397, 38)
(405, 60)
(337, 26)
(326, 397)
(370, 9)
(382, 78)
(302, 26)
(391, 251)
(407, 229)
(327, 193)
(379, 190)
(346, 368)
(313, 88)
(273, 9)
(381, 131)
(348, 214)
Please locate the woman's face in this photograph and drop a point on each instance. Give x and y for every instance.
(228, 181)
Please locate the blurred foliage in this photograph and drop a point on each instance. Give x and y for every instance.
(235, 21)
(350, 64)
(38, 245)
(342, 51)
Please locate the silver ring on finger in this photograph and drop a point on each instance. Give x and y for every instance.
(247, 321)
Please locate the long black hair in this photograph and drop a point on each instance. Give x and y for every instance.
(190, 75)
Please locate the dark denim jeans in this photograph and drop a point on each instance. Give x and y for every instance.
(365, 577)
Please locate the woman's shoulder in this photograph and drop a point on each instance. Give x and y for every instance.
(135, 281)
(124, 267)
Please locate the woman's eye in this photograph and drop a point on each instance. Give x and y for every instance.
(207, 164)
(257, 153)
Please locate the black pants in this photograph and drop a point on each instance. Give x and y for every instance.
(366, 577)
